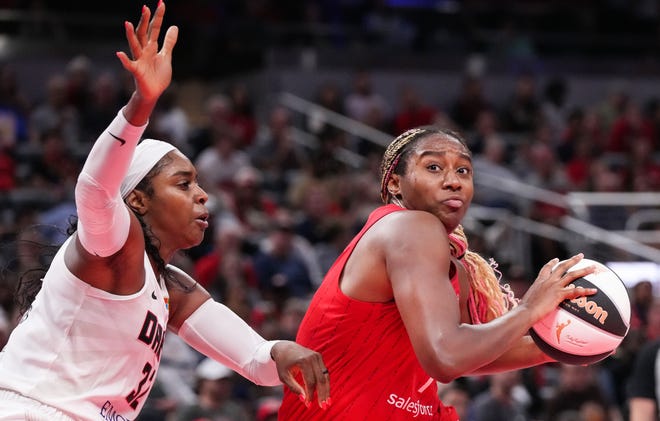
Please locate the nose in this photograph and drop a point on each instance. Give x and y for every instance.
(201, 197)
(451, 181)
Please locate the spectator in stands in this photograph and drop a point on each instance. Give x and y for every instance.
(457, 395)
(491, 166)
(267, 408)
(54, 168)
(216, 119)
(363, 102)
(79, 82)
(215, 384)
(643, 383)
(330, 97)
(486, 126)
(367, 106)
(614, 104)
(641, 298)
(281, 270)
(55, 113)
(103, 104)
(247, 203)
(628, 128)
(170, 121)
(219, 163)
(553, 106)
(14, 109)
(505, 399)
(276, 154)
(470, 101)
(579, 386)
(521, 112)
(642, 167)
(241, 115)
(412, 111)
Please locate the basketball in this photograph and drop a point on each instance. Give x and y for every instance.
(586, 329)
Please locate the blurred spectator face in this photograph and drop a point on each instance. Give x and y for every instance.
(363, 84)
(525, 87)
(576, 377)
(643, 293)
(458, 398)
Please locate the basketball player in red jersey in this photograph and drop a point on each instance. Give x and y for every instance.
(90, 345)
(407, 303)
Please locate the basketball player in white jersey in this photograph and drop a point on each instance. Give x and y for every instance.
(90, 345)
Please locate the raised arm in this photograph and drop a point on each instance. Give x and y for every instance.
(104, 222)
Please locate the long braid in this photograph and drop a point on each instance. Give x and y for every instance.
(491, 299)
(488, 298)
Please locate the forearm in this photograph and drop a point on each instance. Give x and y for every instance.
(522, 354)
(217, 332)
(487, 342)
(138, 109)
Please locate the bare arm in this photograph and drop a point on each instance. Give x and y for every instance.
(429, 309)
(524, 353)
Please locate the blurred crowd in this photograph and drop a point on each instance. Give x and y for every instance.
(283, 211)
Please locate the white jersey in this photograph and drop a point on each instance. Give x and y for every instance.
(91, 354)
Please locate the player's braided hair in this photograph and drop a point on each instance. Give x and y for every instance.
(490, 299)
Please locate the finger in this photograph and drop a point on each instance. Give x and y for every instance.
(156, 23)
(565, 265)
(571, 293)
(170, 40)
(309, 374)
(323, 389)
(547, 268)
(133, 43)
(572, 275)
(125, 61)
(321, 381)
(142, 27)
(289, 379)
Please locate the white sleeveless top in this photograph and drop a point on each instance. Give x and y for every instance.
(91, 354)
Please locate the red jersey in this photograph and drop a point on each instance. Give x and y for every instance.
(374, 373)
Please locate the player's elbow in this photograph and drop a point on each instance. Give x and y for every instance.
(444, 366)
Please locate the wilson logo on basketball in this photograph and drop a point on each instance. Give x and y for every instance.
(591, 307)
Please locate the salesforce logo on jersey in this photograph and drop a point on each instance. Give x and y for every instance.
(406, 404)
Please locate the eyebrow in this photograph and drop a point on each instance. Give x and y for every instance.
(183, 173)
(440, 153)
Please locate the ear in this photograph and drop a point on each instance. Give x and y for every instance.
(137, 201)
(393, 186)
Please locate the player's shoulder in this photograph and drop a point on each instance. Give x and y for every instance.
(411, 220)
(180, 275)
(408, 225)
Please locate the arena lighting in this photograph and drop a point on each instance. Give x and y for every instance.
(5, 47)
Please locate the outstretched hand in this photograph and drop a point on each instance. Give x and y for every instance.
(293, 359)
(151, 69)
